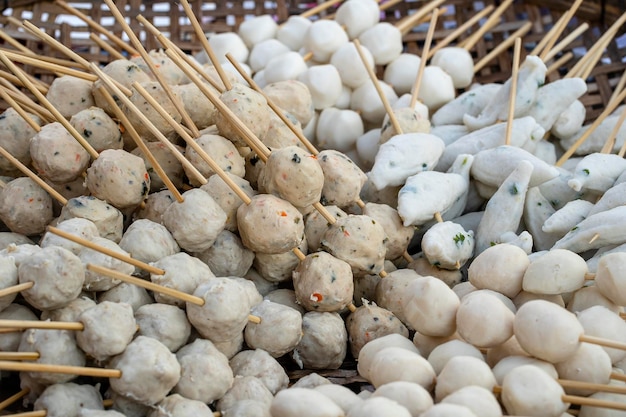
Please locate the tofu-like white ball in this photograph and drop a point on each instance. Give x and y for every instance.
(303, 402)
(401, 72)
(463, 371)
(323, 38)
(384, 40)
(257, 29)
(397, 364)
(499, 268)
(229, 42)
(293, 31)
(287, 66)
(324, 83)
(458, 63)
(527, 390)
(350, 66)
(441, 354)
(264, 51)
(338, 129)
(431, 307)
(437, 88)
(357, 16)
(366, 100)
(556, 272)
(610, 277)
(370, 349)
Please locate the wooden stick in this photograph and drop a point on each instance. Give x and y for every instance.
(379, 90)
(19, 356)
(470, 42)
(105, 46)
(461, 29)
(57, 69)
(58, 61)
(616, 389)
(155, 71)
(107, 81)
(37, 324)
(205, 44)
(60, 369)
(544, 40)
(142, 146)
(502, 46)
(7, 97)
(39, 413)
(16, 288)
(420, 71)
(21, 97)
(603, 342)
(15, 44)
(16, 81)
(513, 92)
(13, 398)
(405, 25)
(97, 27)
(42, 99)
(179, 295)
(53, 193)
(119, 256)
(610, 140)
(166, 43)
(320, 8)
(619, 87)
(388, 4)
(593, 402)
(608, 110)
(618, 376)
(559, 62)
(560, 28)
(566, 41)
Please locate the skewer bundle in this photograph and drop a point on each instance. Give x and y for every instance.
(482, 211)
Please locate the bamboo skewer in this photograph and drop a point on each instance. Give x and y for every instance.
(422, 67)
(60, 369)
(471, 41)
(119, 256)
(320, 8)
(97, 27)
(559, 29)
(405, 25)
(141, 145)
(26, 102)
(461, 29)
(513, 93)
(205, 44)
(55, 68)
(544, 40)
(559, 63)
(16, 288)
(42, 99)
(105, 46)
(519, 33)
(621, 84)
(16, 81)
(52, 60)
(566, 41)
(18, 108)
(45, 325)
(155, 71)
(610, 140)
(13, 398)
(15, 44)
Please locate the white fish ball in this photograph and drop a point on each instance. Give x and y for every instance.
(378, 407)
(529, 391)
(384, 41)
(324, 83)
(350, 65)
(287, 66)
(457, 62)
(436, 89)
(401, 73)
(292, 32)
(357, 16)
(483, 320)
(229, 42)
(338, 129)
(367, 147)
(463, 371)
(264, 51)
(323, 38)
(431, 307)
(257, 29)
(611, 276)
(441, 354)
(398, 364)
(365, 99)
(556, 272)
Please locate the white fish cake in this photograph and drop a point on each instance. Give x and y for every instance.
(69, 94)
(119, 178)
(393, 364)
(484, 320)
(107, 218)
(279, 331)
(100, 282)
(323, 282)
(447, 245)
(431, 307)
(141, 379)
(260, 364)
(98, 129)
(68, 399)
(221, 150)
(15, 135)
(527, 390)
(166, 323)
(463, 371)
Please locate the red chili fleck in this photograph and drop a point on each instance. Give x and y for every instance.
(314, 156)
(30, 200)
(146, 176)
(282, 214)
(346, 233)
(77, 157)
(317, 297)
(284, 175)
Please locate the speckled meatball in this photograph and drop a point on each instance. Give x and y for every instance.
(15, 135)
(316, 225)
(221, 150)
(79, 227)
(205, 373)
(109, 328)
(119, 178)
(226, 197)
(148, 241)
(323, 282)
(227, 257)
(98, 129)
(58, 276)
(370, 322)
(167, 68)
(166, 323)
(149, 371)
(278, 332)
(398, 235)
(343, 179)
(293, 174)
(183, 272)
(269, 224)
(225, 311)
(123, 71)
(177, 405)
(250, 107)
(70, 312)
(107, 218)
(324, 342)
(197, 105)
(127, 293)
(410, 120)
(277, 267)
(99, 282)
(9, 342)
(65, 400)
(245, 388)
(56, 155)
(25, 207)
(260, 364)
(279, 135)
(292, 96)
(196, 222)
(154, 206)
(172, 167)
(358, 240)
(69, 94)
(157, 92)
(55, 347)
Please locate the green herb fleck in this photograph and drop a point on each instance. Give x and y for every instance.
(586, 171)
(513, 190)
(459, 239)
